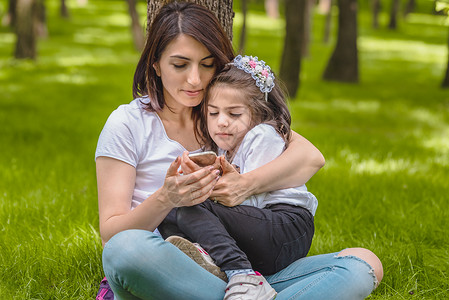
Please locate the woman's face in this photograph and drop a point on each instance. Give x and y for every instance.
(228, 116)
(186, 67)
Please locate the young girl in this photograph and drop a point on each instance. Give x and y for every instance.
(249, 123)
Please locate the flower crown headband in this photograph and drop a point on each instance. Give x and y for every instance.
(260, 72)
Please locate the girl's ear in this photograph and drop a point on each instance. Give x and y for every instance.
(157, 69)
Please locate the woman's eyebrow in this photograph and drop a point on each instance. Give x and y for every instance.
(186, 58)
(180, 57)
(207, 57)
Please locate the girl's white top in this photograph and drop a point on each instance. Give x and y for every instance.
(137, 137)
(261, 145)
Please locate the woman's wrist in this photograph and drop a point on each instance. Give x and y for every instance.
(162, 200)
(251, 183)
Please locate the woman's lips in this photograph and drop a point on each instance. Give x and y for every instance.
(192, 93)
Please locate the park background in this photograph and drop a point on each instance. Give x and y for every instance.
(385, 139)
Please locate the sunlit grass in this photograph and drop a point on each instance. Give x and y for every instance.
(385, 140)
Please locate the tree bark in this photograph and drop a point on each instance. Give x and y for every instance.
(244, 4)
(343, 64)
(26, 29)
(9, 18)
(136, 29)
(307, 29)
(294, 34)
(64, 10)
(328, 22)
(410, 7)
(445, 83)
(376, 6)
(41, 20)
(394, 14)
(222, 9)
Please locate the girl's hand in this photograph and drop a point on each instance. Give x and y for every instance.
(230, 189)
(187, 190)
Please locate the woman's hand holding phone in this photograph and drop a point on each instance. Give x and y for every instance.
(194, 162)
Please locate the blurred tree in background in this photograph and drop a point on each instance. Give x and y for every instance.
(25, 24)
(443, 7)
(295, 11)
(136, 28)
(343, 64)
(394, 11)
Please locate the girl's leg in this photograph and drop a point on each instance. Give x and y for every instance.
(245, 237)
(141, 265)
(327, 276)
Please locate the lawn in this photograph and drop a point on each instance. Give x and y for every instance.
(386, 142)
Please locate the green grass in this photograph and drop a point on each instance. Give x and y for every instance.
(386, 142)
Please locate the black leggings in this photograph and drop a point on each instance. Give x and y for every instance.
(246, 237)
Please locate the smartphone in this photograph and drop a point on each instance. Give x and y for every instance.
(203, 159)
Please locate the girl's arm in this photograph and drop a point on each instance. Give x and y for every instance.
(294, 167)
(116, 180)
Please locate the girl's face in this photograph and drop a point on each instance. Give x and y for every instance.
(228, 117)
(186, 67)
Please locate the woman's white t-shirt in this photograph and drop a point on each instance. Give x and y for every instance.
(137, 136)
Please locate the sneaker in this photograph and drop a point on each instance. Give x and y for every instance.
(198, 255)
(249, 287)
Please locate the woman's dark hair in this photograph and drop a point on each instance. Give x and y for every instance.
(274, 111)
(172, 20)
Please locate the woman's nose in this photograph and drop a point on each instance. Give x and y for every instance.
(194, 77)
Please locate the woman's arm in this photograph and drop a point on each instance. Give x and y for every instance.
(294, 167)
(116, 180)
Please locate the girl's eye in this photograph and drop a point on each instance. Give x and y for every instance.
(235, 115)
(208, 65)
(213, 113)
(179, 66)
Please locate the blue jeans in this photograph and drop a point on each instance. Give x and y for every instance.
(141, 265)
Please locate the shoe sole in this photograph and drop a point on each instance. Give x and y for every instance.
(191, 251)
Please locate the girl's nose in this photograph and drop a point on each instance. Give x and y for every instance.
(222, 120)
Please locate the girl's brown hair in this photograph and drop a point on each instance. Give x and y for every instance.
(172, 20)
(274, 111)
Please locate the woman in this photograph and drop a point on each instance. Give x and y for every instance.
(141, 141)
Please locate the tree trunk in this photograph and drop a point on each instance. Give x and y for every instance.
(394, 15)
(222, 9)
(244, 4)
(376, 6)
(64, 10)
(136, 29)
(272, 8)
(294, 34)
(328, 23)
(343, 64)
(305, 42)
(9, 18)
(25, 29)
(445, 83)
(410, 7)
(41, 20)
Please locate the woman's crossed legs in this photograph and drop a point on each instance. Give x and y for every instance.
(141, 265)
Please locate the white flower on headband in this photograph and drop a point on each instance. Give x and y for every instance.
(260, 72)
